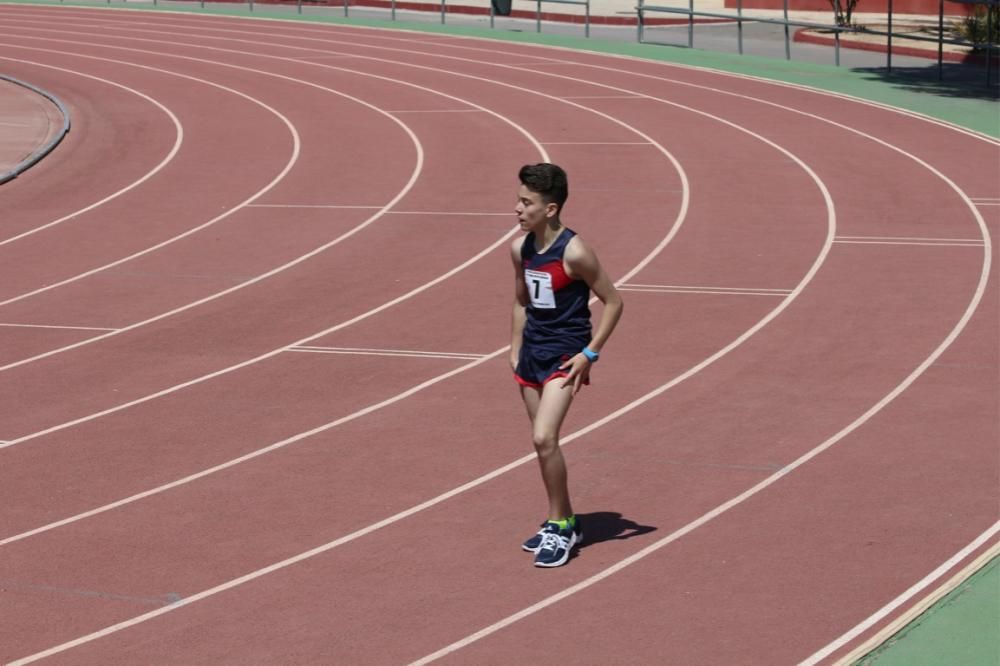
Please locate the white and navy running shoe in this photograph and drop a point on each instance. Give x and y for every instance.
(555, 546)
(535, 540)
(572, 535)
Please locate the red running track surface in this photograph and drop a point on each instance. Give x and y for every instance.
(257, 405)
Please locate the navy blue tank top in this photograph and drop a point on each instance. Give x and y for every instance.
(558, 313)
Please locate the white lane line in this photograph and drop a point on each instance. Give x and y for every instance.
(69, 328)
(178, 140)
(922, 243)
(386, 352)
(728, 291)
(390, 212)
(451, 213)
(903, 598)
(435, 111)
(329, 57)
(332, 206)
(596, 143)
(908, 240)
(978, 241)
(716, 292)
(575, 97)
(707, 288)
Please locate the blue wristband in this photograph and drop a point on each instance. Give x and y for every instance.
(591, 355)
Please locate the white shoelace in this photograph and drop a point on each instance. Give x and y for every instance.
(553, 541)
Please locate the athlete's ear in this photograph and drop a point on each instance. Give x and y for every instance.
(551, 209)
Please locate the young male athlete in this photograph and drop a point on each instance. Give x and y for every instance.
(552, 347)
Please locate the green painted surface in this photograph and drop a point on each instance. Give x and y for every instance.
(963, 629)
(968, 105)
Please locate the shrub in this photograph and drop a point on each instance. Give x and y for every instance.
(982, 26)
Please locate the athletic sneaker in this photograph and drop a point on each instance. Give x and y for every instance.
(555, 547)
(532, 544)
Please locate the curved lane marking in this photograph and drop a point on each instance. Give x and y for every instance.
(178, 140)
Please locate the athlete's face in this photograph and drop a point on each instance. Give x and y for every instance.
(531, 211)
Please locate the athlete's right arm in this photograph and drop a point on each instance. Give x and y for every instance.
(520, 302)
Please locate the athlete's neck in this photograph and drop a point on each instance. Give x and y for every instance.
(545, 236)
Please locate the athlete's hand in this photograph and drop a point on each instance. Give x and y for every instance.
(513, 360)
(579, 372)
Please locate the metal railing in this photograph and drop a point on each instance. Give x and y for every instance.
(538, 13)
(739, 18)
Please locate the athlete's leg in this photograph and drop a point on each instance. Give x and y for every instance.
(531, 397)
(547, 412)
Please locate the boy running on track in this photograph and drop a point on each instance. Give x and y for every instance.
(554, 272)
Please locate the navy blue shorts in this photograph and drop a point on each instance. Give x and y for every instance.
(536, 367)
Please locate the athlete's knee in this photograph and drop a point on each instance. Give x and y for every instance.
(546, 442)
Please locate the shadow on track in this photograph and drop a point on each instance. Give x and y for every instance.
(609, 526)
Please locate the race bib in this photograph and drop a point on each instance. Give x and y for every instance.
(540, 289)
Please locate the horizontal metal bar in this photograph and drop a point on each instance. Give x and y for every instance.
(917, 38)
(744, 18)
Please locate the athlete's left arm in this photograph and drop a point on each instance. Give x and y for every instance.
(581, 263)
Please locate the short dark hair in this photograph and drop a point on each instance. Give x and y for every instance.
(547, 180)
